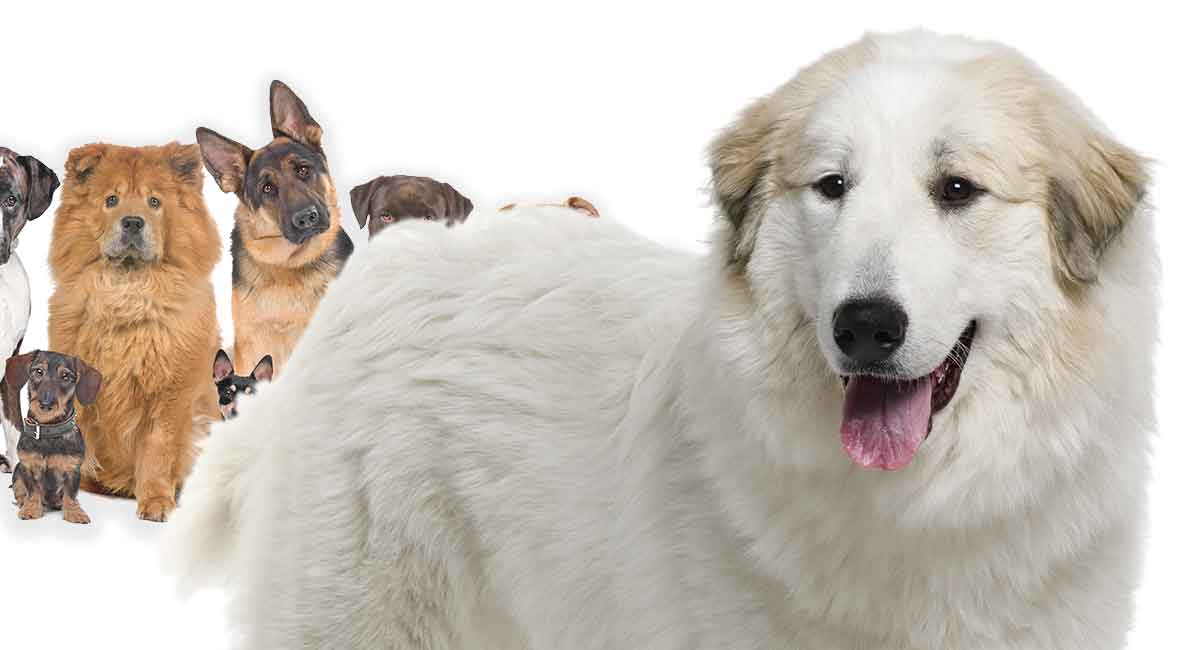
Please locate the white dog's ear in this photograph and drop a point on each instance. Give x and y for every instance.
(1095, 185)
(739, 162)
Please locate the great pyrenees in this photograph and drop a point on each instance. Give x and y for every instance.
(546, 432)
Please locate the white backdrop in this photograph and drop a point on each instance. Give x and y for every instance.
(530, 103)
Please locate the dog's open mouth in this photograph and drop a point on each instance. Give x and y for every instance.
(885, 420)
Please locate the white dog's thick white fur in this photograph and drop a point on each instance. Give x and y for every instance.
(539, 431)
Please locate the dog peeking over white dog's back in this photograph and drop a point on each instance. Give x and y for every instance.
(932, 260)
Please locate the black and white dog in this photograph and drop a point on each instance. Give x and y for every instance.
(26, 188)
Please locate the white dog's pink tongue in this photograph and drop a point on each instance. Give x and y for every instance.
(883, 422)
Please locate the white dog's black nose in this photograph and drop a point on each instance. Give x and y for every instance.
(869, 330)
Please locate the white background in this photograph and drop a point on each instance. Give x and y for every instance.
(535, 103)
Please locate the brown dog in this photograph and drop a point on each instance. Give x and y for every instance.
(388, 199)
(132, 252)
(51, 449)
(287, 240)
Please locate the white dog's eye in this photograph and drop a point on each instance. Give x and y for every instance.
(832, 187)
(955, 191)
(10, 201)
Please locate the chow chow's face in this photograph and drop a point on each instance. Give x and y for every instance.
(134, 200)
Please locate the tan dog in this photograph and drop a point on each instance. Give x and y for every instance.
(576, 203)
(132, 252)
(287, 240)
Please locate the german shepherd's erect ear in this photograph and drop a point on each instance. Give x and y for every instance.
(290, 117)
(225, 159)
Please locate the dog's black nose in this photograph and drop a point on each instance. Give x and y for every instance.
(869, 330)
(132, 225)
(46, 406)
(306, 219)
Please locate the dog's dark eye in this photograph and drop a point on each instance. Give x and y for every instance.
(268, 188)
(111, 201)
(302, 171)
(832, 187)
(154, 203)
(10, 201)
(956, 190)
(39, 372)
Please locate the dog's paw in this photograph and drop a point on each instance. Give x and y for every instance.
(76, 517)
(156, 509)
(5, 468)
(30, 511)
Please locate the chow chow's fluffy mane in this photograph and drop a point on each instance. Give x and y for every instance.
(173, 170)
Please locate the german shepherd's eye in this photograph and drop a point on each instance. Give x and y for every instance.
(66, 376)
(10, 201)
(38, 372)
(832, 186)
(111, 201)
(303, 170)
(955, 191)
(267, 188)
(154, 203)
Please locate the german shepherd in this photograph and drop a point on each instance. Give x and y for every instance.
(287, 241)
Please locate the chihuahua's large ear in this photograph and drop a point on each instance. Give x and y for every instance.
(458, 207)
(360, 200)
(16, 369)
(225, 159)
(1095, 185)
(290, 117)
(82, 161)
(264, 370)
(42, 184)
(88, 388)
(222, 367)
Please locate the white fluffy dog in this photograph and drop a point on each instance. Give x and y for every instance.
(548, 433)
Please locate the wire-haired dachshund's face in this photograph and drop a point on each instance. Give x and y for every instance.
(389, 199)
(231, 386)
(54, 381)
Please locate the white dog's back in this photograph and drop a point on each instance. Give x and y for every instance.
(470, 355)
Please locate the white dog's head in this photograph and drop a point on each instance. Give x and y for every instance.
(900, 193)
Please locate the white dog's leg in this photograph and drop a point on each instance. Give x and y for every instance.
(8, 460)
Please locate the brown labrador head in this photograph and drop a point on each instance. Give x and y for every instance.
(54, 381)
(26, 187)
(286, 185)
(388, 199)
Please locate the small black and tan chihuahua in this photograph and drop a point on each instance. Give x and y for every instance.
(229, 385)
